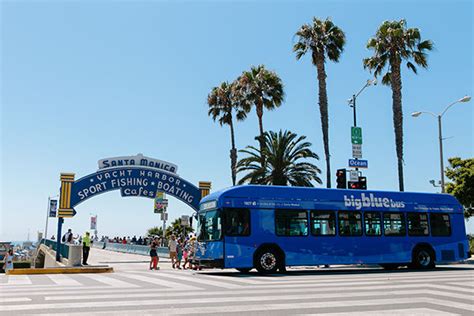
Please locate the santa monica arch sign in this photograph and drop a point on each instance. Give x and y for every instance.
(133, 176)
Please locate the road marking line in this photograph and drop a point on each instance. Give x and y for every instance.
(322, 294)
(109, 280)
(14, 300)
(188, 278)
(158, 281)
(389, 312)
(233, 308)
(63, 280)
(17, 280)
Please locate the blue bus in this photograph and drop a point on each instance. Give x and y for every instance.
(272, 227)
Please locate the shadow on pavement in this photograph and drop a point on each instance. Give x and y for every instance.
(331, 271)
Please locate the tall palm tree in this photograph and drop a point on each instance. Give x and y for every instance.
(262, 88)
(285, 154)
(392, 44)
(222, 104)
(323, 40)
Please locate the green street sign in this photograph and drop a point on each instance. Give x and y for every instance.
(356, 135)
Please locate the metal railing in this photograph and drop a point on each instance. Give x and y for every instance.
(52, 244)
(130, 248)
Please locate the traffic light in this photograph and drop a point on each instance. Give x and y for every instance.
(358, 185)
(354, 185)
(341, 179)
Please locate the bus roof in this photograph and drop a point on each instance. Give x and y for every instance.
(262, 196)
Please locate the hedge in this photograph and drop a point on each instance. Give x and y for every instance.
(17, 265)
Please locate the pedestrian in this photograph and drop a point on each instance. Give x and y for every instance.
(179, 254)
(68, 237)
(154, 254)
(8, 261)
(185, 254)
(172, 248)
(86, 246)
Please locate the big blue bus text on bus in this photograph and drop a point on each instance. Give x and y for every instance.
(271, 227)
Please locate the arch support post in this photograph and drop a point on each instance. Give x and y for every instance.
(205, 188)
(64, 209)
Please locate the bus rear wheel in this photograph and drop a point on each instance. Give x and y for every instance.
(423, 258)
(267, 261)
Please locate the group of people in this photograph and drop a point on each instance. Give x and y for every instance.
(84, 240)
(127, 240)
(180, 252)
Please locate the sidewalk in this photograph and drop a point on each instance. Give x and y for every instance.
(124, 261)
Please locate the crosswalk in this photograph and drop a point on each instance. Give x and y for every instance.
(447, 291)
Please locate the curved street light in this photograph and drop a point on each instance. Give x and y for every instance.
(439, 116)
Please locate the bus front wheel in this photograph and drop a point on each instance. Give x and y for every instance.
(267, 261)
(423, 258)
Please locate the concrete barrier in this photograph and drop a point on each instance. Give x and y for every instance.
(130, 248)
(61, 270)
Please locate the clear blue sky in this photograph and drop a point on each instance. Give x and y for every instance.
(85, 80)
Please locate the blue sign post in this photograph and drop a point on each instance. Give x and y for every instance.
(357, 163)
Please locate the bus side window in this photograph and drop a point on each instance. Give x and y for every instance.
(418, 224)
(394, 224)
(350, 223)
(237, 222)
(440, 225)
(291, 223)
(372, 223)
(323, 223)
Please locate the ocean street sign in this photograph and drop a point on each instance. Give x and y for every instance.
(354, 163)
(356, 135)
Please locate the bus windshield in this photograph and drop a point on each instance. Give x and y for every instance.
(209, 226)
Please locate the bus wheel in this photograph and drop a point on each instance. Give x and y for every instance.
(423, 258)
(267, 261)
(244, 270)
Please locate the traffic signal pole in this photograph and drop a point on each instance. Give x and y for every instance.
(355, 116)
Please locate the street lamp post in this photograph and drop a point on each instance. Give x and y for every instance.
(440, 135)
(352, 101)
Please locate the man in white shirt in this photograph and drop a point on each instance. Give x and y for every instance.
(172, 244)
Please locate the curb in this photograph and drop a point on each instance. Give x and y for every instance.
(61, 270)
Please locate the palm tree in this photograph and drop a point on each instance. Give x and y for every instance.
(283, 153)
(323, 40)
(262, 88)
(222, 103)
(177, 229)
(392, 44)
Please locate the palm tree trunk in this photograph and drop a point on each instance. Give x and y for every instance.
(233, 153)
(323, 109)
(396, 83)
(259, 109)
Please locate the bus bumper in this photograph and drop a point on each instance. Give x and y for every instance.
(215, 263)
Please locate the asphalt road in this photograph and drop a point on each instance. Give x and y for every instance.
(134, 290)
